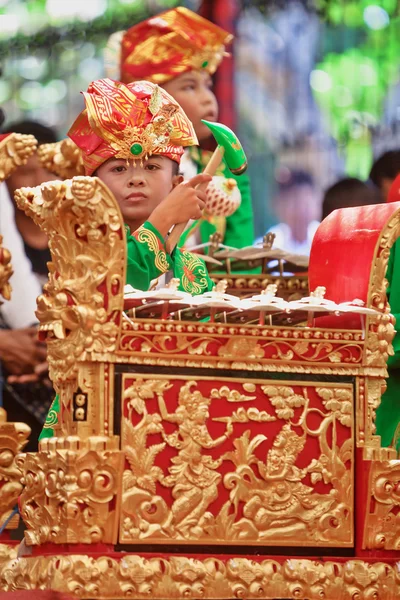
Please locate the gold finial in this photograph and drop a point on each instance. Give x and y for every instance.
(229, 184)
(268, 240)
(155, 101)
(173, 284)
(221, 286)
(215, 239)
(270, 290)
(319, 292)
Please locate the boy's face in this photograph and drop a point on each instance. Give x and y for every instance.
(193, 91)
(139, 189)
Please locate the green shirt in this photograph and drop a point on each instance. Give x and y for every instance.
(148, 260)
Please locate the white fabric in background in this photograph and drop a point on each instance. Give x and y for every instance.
(18, 312)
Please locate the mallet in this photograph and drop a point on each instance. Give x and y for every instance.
(230, 149)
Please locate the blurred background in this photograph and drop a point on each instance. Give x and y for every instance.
(311, 86)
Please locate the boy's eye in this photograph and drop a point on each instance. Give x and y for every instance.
(119, 169)
(189, 86)
(152, 167)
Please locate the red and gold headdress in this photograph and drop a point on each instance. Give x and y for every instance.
(130, 121)
(166, 46)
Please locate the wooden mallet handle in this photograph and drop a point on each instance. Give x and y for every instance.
(210, 169)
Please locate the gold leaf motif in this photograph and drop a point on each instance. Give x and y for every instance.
(335, 357)
(240, 348)
(381, 530)
(5, 271)
(67, 495)
(339, 403)
(171, 577)
(15, 149)
(301, 347)
(284, 400)
(13, 437)
(64, 158)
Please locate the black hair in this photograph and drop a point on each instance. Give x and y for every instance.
(287, 179)
(387, 166)
(175, 168)
(349, 192)
(43, 134)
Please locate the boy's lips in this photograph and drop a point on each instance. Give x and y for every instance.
(136, 196)
(211, 116)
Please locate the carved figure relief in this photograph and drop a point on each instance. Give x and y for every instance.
(279, 473)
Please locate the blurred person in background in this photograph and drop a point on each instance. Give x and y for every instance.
(30, 175)
(297, 207)
(349, 192)
(23, 358)
(384, 171)
(192, 49)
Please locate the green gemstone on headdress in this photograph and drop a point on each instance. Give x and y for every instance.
(205, 64)
(136, 149)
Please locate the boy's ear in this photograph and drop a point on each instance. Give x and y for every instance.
(176, 180)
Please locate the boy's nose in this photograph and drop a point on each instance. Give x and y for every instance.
(207, 97)
(136, 180)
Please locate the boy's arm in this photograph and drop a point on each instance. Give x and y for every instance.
(147, 258)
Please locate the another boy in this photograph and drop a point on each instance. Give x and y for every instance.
(180, 51)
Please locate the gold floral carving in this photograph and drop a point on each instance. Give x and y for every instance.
(71, 495)
(381, 529)
(63, 158)
(270, 500)
(81, 307)
(13, 437)
(8, 552)
(243, 345)
(379, 340)
(374, 388)
(5, 271)
(164, 578)
(15, 149)
(381, 329)
(378, 282)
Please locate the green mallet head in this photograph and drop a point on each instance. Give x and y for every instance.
(234, 154)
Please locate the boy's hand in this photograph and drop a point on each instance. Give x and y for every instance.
(185, 202)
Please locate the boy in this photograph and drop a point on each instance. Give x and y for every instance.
(180, 51)
(132, 138)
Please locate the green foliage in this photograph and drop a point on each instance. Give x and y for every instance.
(351, 87)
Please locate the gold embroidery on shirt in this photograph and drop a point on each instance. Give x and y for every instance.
(145, 236)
